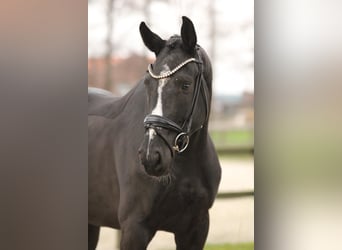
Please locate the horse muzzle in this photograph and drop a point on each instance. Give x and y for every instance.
(153, 160)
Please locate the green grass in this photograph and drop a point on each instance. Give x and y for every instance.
(232, 137)
(240, 246)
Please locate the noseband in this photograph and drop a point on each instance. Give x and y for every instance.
(184, 132)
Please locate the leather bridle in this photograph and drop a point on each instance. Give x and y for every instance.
(184, 132)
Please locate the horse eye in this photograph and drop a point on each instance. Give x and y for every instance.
(185, 86)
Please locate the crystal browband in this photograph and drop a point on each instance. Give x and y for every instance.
(171, 72)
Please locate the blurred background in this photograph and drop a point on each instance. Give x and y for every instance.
(117, 59)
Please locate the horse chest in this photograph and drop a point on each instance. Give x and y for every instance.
(187, 194)
(191, 192)
(178, 204)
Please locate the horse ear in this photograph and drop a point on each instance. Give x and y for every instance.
(152, 41)
(188, 34)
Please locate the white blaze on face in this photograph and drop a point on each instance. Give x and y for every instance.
(158, 109)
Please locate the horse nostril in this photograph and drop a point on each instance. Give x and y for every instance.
(154, 158)
(157, 158)
(151, 159)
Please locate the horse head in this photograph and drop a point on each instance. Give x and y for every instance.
(178, 92)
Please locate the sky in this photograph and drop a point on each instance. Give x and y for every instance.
(234, 54)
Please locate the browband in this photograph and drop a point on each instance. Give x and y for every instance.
(171, 72)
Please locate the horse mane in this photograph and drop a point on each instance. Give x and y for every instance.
(208, 71)
(105, 103)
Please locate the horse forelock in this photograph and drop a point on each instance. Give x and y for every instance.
(174, 42)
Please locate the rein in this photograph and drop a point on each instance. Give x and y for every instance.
(184, 132)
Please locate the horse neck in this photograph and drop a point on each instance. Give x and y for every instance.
(134, 100)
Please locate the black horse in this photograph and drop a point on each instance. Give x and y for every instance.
(152, 165)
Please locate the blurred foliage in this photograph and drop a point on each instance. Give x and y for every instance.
(240, 246)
